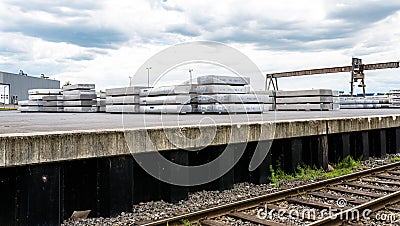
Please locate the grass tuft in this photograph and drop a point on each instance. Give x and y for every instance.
(8, 109)
(346, 166)
(185, 222)
(309, 173)
(395, 159)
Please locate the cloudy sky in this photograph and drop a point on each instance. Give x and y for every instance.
(105, 42)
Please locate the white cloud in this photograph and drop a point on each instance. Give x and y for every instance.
(105, 42)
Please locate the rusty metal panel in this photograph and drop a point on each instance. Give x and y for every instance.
(333, 70)
(311, 72)
(381, 66)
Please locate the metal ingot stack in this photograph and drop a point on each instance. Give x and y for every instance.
(36, 100)
(54, 103)
(307, 100)
(123, 100)
(80, 98)
(101, 102)
(228, 94)
(166, 99)
(369, 102)
(394, 97)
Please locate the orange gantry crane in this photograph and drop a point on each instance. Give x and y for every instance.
(357, 73)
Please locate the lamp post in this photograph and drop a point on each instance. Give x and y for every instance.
(190, 72)
(148, 76)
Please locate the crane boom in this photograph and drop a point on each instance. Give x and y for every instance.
(357, 73)
(333, 70)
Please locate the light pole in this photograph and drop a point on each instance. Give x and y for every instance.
(130, 80)
(190, 72)
(148, 76)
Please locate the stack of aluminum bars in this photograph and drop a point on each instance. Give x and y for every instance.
(54, 103)
(269, 105)
(307, 100)
(101, 102)
(368, 102)
(394, 97)
(166, 99)
(228, 94)
(80, 98)
(193, 97)
(123, 100)
(36, 99)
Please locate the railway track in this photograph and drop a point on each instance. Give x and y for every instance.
(360, 198)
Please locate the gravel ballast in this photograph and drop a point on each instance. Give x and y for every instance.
(157, 210)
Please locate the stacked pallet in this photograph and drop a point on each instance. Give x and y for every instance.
(394, 98)
(35, 102)
(369, 102)
(307, 100)
(123, 100)
(228, 94)
(79, 98)
(166, 99)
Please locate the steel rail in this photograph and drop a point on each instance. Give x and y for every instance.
(272, 197)
(373, 205)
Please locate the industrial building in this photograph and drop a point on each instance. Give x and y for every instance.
(14, 87)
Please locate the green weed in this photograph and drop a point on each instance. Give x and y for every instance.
(8, 109)
(395, 159)
(185, 222)
(309, 173)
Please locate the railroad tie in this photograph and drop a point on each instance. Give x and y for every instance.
(372, 187)
(211, 223)
(392, 183)
(309, 217)
(310, 203)
(355, 192)
(394, 172)
(388, 177)
(336, 197)
(253, 219)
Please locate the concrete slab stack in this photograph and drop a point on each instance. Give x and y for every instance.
(307, 100)
(394, 98)
(123, 100)
(36, 100)
(79, 98)
(364, 102)
(228, 94)
(166, 99)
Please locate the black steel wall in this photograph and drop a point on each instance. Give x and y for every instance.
(47, 194)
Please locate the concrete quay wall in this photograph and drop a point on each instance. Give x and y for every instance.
(45, 147)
